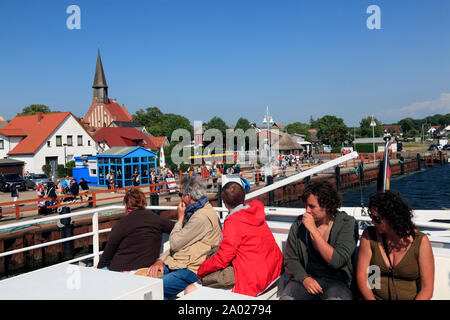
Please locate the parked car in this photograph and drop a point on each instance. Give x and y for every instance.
(35, 179)
(446, 147)
(8, 179)
(433, 147)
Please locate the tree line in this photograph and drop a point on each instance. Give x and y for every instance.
(331, 130)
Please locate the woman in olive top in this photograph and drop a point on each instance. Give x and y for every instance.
(399, 257)
(320, 246)
(135, 241)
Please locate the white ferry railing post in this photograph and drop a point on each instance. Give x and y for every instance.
(95, 238)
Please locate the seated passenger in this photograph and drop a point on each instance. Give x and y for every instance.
(319, 249)
(134, 241)
(400, 255)
(195, 233)
(247, 244)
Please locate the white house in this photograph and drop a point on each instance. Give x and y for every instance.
(52, 138)
(9, 139)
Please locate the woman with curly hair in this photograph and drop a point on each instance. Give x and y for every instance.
(320, 246)
(399, 254)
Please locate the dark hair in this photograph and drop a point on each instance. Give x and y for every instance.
(327, 195)
(233, 194)
(391, 207)
(134, 200)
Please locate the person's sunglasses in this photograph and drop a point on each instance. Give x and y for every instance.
(375, 219)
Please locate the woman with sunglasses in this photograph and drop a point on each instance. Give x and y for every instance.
(395, 260)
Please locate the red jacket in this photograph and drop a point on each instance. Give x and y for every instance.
(249, 245)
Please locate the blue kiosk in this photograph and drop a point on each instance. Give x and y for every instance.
(124, 161)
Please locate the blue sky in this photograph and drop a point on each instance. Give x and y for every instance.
(230, 58)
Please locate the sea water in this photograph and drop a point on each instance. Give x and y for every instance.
(427, 189)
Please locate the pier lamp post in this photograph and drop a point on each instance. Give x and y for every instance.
(373, 125)
(423, 133)
(268, 120)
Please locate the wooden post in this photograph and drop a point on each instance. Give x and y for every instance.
(337, 173)
(94, 198)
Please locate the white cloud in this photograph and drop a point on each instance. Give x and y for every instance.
(422, 109)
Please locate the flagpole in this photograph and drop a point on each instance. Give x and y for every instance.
(387, 139)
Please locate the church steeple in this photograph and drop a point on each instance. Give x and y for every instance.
(100, 86)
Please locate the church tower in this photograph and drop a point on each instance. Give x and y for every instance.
(103, 110)
(100, 87)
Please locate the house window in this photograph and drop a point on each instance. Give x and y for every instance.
(48, 144)
(2, 144)
(69, 141)
(80, 140)
(89, 142)
(58, 141)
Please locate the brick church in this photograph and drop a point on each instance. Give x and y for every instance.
(103, 110)
(110, 123)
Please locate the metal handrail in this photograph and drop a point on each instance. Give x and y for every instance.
(274, 211)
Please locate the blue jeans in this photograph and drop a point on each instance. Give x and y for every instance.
(175, 281)
(332, 290)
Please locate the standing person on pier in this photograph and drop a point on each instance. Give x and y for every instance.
(320, 247)
(14, 193)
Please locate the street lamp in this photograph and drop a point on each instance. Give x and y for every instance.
(268, 120)
(373, 125)
(423, 135)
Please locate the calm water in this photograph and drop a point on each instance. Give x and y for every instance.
(428, 188)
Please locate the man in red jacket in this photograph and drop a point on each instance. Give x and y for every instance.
(247, 244)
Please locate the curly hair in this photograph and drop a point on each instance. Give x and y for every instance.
(391, 207)
(327, 195)
(134, 200)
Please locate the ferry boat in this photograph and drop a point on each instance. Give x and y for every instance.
(71, 281)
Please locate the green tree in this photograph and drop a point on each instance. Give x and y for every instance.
(332, 131)
(219, 124)
(171, 122)
(160, 124)
(151, 119)
(365, 129)
(34, 109)
(408, 126)
(299, 128)
(168, 157)
(243, 124)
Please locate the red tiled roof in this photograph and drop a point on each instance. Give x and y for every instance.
(13, 132)
(117, 112)
(38, 131)
(122, 137)
(157, 142)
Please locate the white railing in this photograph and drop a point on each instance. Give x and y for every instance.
(270, 211)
